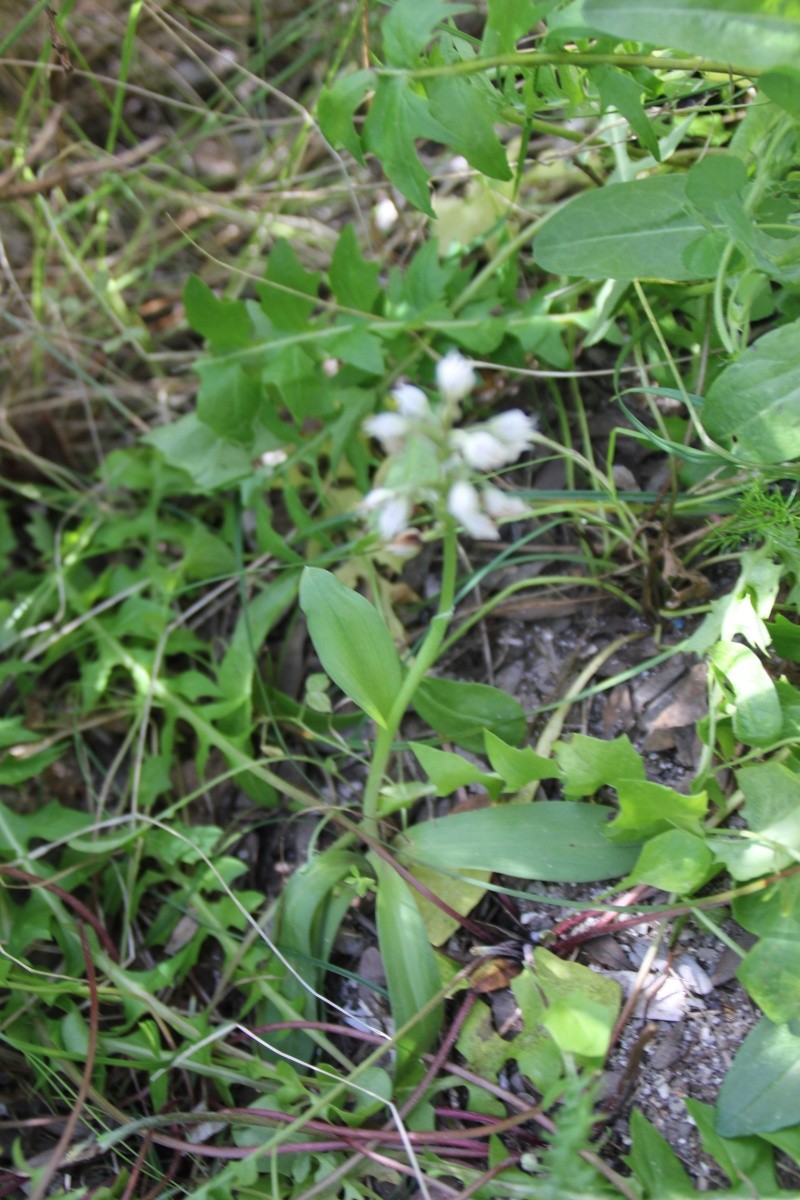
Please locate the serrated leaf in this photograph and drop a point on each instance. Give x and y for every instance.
(517, 767)
(654, 1164)
(582, 1005)
(289, 292)
(556, 841)
(408, 28)
(761, 1091)
(446, 771)
(228, 399)
(211, 462)
(757, 716)
(412, 975)
(462, 712)
(641, 229)
(354, 280)
(397, 117)
(466, 111)
(225, 324)
(753, 406)
(589, 763)
(352, 642)
(335, 110)
(508, 21)
(621, 91)
(649, 808)
(746, 33)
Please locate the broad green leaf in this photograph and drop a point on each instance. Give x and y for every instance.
(352, 642)
(753, 406)
(745, 33)
(640, 229)
(785, 636)
(289, 292)
(649, 808)
(462, 712)
(397, 117)
(772, 802)
(770, 972)
(552, 840)
(225, 324)
(782, 85)
(761, 1091)
(654, 1164)
(757, 716)
(458, 894)
(773, 911)
(589, 763)
(409, 962)
(447, 771)
(715, 178)
(517, 767)
(335, 110)
(309, 915)
(354, 280)
(621, 91)
(675, 861)
(742, 1159)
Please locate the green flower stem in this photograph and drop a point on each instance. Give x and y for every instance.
(557, 58)
(426, 657)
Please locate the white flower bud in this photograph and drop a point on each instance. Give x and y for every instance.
(411, 401)
(389, 429)
(384, 214)
(455, 376)
(515, 430)
(499, 504)
(480, 450)
(463, 502)
(273, 458)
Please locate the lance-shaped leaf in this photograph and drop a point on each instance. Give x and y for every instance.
(353, 643)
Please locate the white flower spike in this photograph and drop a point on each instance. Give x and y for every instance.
(455, 376)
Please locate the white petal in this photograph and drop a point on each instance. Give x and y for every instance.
(411, 401)
(514, 428)
(482, 450)
(455, 376)
(500, 504)
(376, 499)
(393, 517)
(388, 428)
(463, 502)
